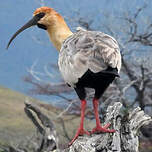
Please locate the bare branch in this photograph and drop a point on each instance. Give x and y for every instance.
(66, 110)
(49, 139)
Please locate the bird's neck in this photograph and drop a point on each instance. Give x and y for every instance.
(58, 32)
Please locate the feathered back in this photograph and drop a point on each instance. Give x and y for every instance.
(88, 50)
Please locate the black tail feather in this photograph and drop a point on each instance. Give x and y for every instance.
(112, 71)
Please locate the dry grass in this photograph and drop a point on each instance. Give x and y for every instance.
(15, 127)
(13, 121)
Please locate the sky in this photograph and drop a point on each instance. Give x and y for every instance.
(33, 45)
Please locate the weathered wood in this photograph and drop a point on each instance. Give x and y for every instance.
(125, 139)
(48, 135)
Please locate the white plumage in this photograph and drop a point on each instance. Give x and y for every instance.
(87, 50)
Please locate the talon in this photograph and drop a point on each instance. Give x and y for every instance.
(102, 129)
(80, 131)
(107, 125)
(98, 127)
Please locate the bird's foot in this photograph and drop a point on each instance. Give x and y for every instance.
(80, 131)
(99, 128)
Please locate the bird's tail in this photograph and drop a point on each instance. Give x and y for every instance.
(112, 71)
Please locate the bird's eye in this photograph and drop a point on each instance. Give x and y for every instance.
(40, 15)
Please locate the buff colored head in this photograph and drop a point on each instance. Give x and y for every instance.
(43, 9)
(43, 17)
(50, 17)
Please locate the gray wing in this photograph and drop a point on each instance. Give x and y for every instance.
(88, 50)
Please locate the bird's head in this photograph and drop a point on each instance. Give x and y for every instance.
(43, 17)
(46, 17)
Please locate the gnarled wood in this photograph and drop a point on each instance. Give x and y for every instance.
(48, 137)
(125, 139)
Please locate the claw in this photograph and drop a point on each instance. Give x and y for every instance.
(80, 131)
(99, 128)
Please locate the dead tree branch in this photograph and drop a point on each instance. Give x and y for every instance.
(48, 136)
(124, 139)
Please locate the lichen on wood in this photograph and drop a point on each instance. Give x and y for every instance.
(125, 138)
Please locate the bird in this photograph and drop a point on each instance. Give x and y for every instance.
(87, 59)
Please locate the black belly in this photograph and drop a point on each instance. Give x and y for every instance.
(98, 81)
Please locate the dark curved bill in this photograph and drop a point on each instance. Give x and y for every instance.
(32, 22)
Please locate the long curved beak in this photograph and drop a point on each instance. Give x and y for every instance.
(30, 23)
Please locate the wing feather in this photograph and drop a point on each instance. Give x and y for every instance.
(88, 50)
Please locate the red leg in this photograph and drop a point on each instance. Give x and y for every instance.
(98, 127)
(80, 130)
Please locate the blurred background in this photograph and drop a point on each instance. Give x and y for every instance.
(29, 66)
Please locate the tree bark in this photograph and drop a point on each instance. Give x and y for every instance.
(125, 139)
